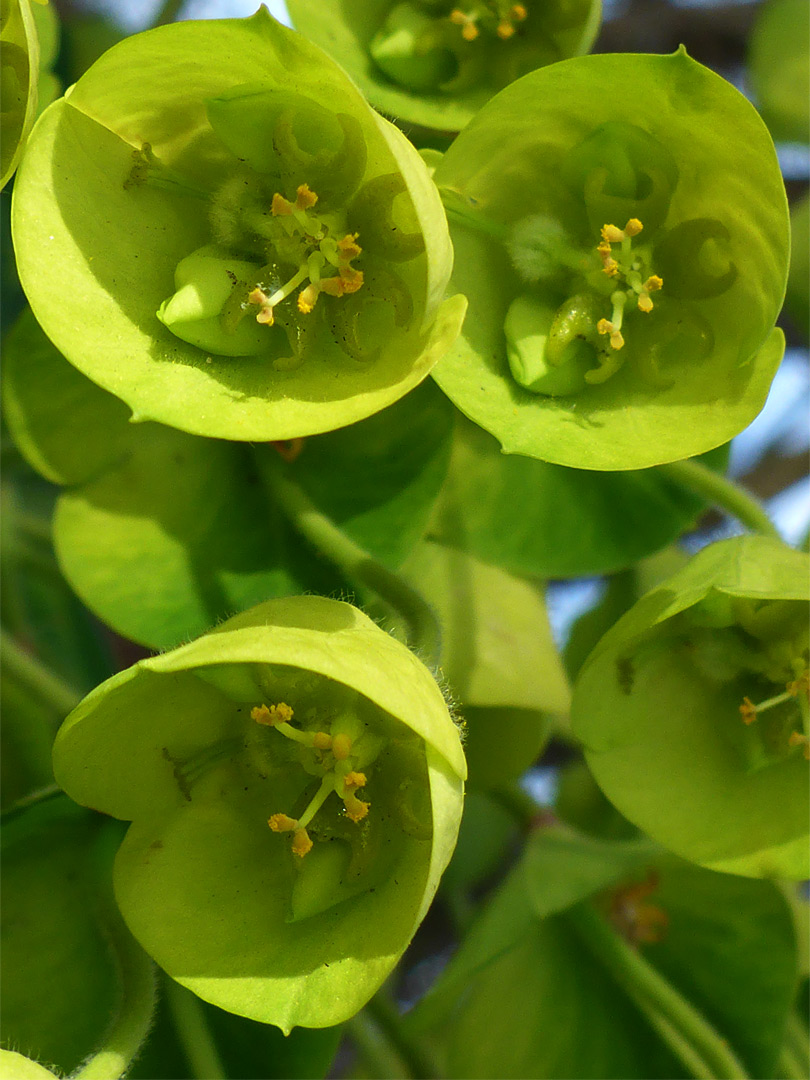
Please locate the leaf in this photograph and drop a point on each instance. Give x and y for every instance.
(531, 517)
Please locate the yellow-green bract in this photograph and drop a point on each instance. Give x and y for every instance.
(20, 66)
(621, 232)
(294, 782)
(436, 62)
(244, 249)
(693, 710)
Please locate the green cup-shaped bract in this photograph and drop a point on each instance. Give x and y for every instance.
(20, 65)
(436, 62)
(621, 233)
(182, 745)
(694, 714)
(243, 248)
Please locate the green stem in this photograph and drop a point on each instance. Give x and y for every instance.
(134, 1019)
(797, 1047)
(194, 1033)
(354, 561)
(37, 679)
(688, 1034)
(375, 1050)
(44, 794)
(722, 493)
(387, 1018)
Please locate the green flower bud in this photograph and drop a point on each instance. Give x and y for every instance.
(294, 782)
(436, 62)
(694, 710)
(621, 234)
(244, 249)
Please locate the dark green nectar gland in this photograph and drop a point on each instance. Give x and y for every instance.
(336, 756)
(551, 350)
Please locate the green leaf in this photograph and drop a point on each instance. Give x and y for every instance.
(378, 479)
(531, 517)
(135, 494)
(60, 982)
(731, 950)
(434, 77)
(660, 699)
(279, 934)
(117, 230)
(779, 67)
(529, 185)
(498, 657)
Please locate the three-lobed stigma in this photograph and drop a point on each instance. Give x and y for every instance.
(324, 263)
(494, 16)
(335, 755)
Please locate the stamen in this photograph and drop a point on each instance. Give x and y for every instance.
(282, 823)
(469, 31)
(612, 235)
(505, 31)
(797, 739)
(275, 714)
(518, 12)
(341, 746)
(302, 844)
(748, 711)
(633, 227)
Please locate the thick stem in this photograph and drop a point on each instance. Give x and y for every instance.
(420, 1067)
(131, 1026)
(688, 1034)
(354, 561)
(722, 493)
(37, 679)
(374, 1049)
(194, 1033)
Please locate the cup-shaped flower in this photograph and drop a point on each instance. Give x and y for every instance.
(436, 62)
(294, 782)
(693, 710)
(214, 226)
(621, 233)
(20, 66)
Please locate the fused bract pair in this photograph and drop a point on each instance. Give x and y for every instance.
(693, 710)
(436, 62)
(621, 233)
(294, 782)
(248, 250)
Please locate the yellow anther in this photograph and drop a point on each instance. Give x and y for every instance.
(281, 207)
(341, 746)
(505, 31)
(301, 844)
(307, 298)
(605, 326)
(748, 711)
(322, 741)
(355, 809)
(348, 247)
(633, 227)
(262, 300)
(282, 823)
(304, 197)
(797, 739)
(354, 780)
(653, 283)
(799, 686)
(275, 714)
(458, 17)
(645, 304)
(612, 235)
(518, 12)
